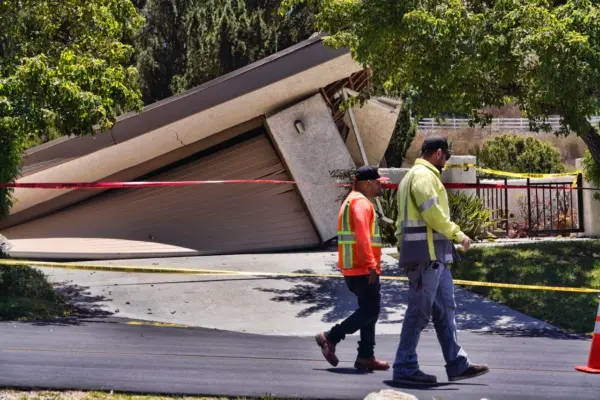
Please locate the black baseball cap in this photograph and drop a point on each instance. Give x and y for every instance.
(369, 173)
(435, 143)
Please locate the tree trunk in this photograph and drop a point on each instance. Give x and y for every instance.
(592, 140)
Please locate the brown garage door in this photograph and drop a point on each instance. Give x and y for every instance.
(216, 218)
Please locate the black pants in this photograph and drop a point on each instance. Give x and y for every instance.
(363, 319)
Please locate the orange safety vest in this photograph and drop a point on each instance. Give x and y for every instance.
(353, 260)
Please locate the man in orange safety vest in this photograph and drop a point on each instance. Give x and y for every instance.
(359, 259)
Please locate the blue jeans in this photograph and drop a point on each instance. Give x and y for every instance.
(431, 294)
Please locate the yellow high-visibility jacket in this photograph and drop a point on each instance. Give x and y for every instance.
(424, 230)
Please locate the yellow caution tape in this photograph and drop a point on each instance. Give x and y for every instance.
(191, 271)
(521, 175)
(527, 175)
(447, 166)
(107, 268)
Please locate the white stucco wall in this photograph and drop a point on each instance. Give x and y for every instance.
(394, 174)
(310, 156)
(461, 175)
(376, 122)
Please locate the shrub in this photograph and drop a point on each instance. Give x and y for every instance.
(515, 153)
(546, 214)
(469, 213)
(465, 210)
(389, 205)
(343, 177)
(591, 171)
(26, 294)
(402, 137)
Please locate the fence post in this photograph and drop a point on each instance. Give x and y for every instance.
(528, 206)
(580, 209)
(506, 206)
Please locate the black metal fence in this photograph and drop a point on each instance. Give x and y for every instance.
(496, 200)
(546, 208)
(554, 209)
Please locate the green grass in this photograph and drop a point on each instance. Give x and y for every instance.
(26, 295)
(568, 263)
(69, 395)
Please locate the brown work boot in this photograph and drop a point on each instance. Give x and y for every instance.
(471, 372)
(327, 348)
(371, 364)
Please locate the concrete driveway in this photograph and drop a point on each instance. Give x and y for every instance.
(271, 305)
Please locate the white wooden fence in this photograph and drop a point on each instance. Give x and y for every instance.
(497, 124)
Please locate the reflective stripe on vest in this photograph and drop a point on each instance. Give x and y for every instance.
(347, 238)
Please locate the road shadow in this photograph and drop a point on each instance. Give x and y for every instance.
(343, 371)
(536, 333)
(332, 297)
(433, 386)
(86, 308)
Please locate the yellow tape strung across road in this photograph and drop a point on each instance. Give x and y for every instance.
(215, 272)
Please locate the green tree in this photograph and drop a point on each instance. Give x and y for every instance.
(464, 57)
(515, 153)
(64, 69)
(189, 42)
(402, 137)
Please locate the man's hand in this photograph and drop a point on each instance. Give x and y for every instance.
(372, 276)
(466, 243)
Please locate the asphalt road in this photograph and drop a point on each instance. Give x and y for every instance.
(111, 354)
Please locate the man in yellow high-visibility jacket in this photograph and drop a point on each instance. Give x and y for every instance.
(425, 239)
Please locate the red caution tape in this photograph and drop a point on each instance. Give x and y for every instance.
(122, 185)
(149, 184)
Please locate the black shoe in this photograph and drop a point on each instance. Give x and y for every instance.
(471, 372)
(418, 378)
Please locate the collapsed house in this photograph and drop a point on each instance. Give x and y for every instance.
(275, 119)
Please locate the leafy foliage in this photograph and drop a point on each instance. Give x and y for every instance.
(402, 137)
(26, 294)
(189, 42)
(468, 212)
(591, 172)
(464, 57)
(389, 205)
(343, 177)
(64, 69)
(515, 153)
(465, 210)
